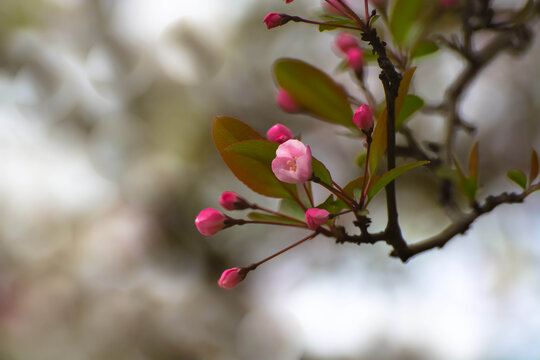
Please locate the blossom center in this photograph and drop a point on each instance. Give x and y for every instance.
(292, 163)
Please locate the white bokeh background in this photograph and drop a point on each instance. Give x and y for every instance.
(86, 274)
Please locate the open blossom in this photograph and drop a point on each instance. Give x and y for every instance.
(363, 118)
(286, 102)
(279, 134)
(232, 201)
(210, 221)
(316, 217)
(293, 162)
(273, 20)
(231, 277)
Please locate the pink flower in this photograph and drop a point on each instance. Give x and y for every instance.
(273, 20)
(286, 102)
(231, 277)
(316, 217)
(232, 201)
(293, 162)
(355, 59)
(363, 118)
(345, 41)
(210, 221)
(279, 134)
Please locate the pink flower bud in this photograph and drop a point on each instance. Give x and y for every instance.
(292, 163)
(286, 102)
(273, 20)
(345, 41)
(363, 118)
(232, 201)
(355, 59)
(231, 277)
(316, 217)
(210, 221)
(288, 1)
(279, 134)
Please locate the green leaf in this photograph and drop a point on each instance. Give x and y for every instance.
(361, 160)
(423, 48)
(332, 206)
(379, 143)
(411, 104)
(533, 172)
(352, 185)
(469, 188)
(265, 151)
(404, 19)
(314, 91)
(388, 176)
(518, 177)
(373, 19)
(320, 171)
(267, 217)
(291, 208)
(473, 162)
(254, 172)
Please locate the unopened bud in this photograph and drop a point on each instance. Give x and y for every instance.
(232, 201)
(273, 20)
(316, 217)
(363, 118)
(279, 134)
(231, 277)
(355, 60)
(210, 221)
(345, 42)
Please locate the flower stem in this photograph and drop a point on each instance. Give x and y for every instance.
(242, 222)
(364, 190)
(308, 195)
(309, 237)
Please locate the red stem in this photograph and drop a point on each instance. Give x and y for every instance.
(252, 267)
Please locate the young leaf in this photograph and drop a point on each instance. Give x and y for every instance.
(291, 208)
(423, 48)
(388, 176)
(518, 177)
(265, 151)
(332, 206)
(354, 184)
(411, 104)
(469, 187)
(533, 172)
(473, 162)
(314, 91)
(254, 172)
(404, 18)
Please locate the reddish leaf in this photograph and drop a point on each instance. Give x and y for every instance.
(314, 91)
(255, 173)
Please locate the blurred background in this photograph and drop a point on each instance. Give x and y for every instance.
(106, 158)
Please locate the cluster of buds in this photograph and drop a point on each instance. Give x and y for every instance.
(293, 164)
